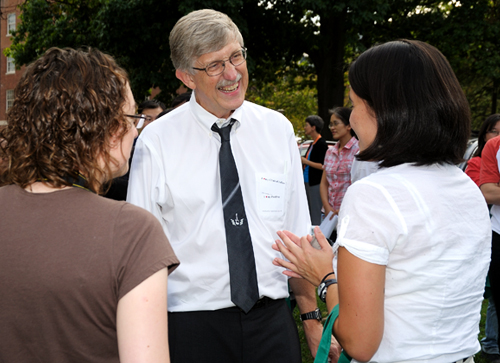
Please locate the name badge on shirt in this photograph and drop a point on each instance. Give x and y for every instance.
(271, 194)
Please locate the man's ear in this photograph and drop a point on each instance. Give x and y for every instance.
(186, 78)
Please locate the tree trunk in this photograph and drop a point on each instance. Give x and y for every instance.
(494, 96)
(329, 64)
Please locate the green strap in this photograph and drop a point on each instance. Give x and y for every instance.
(326, 339)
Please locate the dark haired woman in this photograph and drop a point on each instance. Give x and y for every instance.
(82, 278)
(412, 257)
(489, 129)
(336, 176)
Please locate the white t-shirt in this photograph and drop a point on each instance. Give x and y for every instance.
(429, 226)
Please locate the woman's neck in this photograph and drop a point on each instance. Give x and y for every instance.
(39, 187)
(344, 140)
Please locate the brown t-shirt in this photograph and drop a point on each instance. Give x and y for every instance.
(66, 259)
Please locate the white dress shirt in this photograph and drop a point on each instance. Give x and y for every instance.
(429, 226)
(175, 176)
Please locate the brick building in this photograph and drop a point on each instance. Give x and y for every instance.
(9, 76)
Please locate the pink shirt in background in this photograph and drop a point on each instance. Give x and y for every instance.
(338, 171)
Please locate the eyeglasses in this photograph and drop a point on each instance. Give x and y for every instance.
(335, 123)
(494, 132)
(218, 67)
(139, 120)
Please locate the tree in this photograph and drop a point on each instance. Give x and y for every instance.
(289, 96)
(313, 41)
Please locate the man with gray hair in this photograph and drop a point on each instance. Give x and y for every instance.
(223, 175)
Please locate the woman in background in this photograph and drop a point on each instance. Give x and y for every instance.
(338, 161)
(313, 166)
(82, 278)
(411, 263)
(489, 129)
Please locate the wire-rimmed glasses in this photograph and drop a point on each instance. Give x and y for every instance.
(216, 68)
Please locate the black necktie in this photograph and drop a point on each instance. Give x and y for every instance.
(242, 273)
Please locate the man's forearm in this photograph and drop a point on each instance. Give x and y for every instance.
(305, 295)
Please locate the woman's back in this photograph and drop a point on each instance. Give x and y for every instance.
(67, 258)
(433, 236)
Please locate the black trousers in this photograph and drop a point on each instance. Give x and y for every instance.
(266, 334)
(494, 271)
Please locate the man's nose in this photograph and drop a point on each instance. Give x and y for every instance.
(230, 71)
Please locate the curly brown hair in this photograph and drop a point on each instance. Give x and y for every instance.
(67, 106)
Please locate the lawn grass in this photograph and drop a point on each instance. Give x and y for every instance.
(306, 355)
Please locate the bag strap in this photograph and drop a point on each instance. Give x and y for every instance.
(326, 340)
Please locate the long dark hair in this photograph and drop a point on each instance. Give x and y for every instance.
(422, 114)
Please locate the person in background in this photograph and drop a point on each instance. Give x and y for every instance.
(180, 100)
(412, 256)
(221, 197)
(489, 344)
(313, 166)
(336, 176)
(82, 278)
(151, 109)
(489, 179)
(489, 129)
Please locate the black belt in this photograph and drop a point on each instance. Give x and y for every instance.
(262, 303)
(265, 301)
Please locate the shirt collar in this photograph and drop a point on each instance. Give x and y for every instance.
(206, 119)
(317, 138)
(350, 143)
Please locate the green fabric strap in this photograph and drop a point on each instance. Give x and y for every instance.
(326, 340)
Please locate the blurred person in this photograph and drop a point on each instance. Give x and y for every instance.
(221, 209)
(336, 176)
(412, 256)
(313, 166)
(489, 178)
(163, 113)
(83, 278)
(180, 100)
(489, 344)
(489, 129)
(151, 109)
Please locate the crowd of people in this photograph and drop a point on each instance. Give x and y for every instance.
(197, 264)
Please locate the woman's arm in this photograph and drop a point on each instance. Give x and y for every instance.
(360, 325)
(323, 192)
(360, 290)
(312, 164)
(142, 322)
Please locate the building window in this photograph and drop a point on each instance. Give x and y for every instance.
(11, 67)
(10, 98)
(11, 23)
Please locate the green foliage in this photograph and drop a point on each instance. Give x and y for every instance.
(45, 24)
(309, 41)
(288, 95)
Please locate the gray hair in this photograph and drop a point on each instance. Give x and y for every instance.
(200, 32)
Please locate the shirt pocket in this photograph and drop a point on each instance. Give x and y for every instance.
(271, 195)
